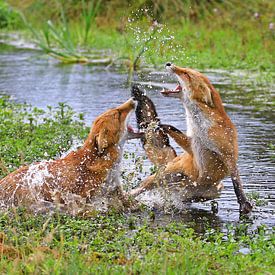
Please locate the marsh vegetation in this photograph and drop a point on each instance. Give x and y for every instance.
(122, 37)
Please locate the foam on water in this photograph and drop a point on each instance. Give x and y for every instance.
(173, 197)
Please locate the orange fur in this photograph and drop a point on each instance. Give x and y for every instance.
(211, 148)
(157, 155)
(82, 172)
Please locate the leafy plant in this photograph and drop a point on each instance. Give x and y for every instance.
(9, 18)
(57, 40)
(31, 134)
(118, 243)
(255, 197)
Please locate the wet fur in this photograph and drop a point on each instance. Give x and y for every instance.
(155, 141)
(211, 148)
(84, 172)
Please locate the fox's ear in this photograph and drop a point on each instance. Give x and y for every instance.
(102, 141)
(208, 98)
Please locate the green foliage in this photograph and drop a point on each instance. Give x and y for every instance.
(9, 18)
(203, 34)
(117, 243)
(56, 39)
(31, 134)
(256, 199)
(89, 11)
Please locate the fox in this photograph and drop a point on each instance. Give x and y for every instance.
(210, 144)
(155, 141)
(86, 172)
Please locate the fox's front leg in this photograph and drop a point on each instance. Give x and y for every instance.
(180, 138)
(171, 173)
(148, 184)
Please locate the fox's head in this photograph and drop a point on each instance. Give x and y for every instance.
(111, 128)
(192, 85)
(137, 93)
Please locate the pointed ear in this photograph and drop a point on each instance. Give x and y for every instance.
(102, 140)
(208, 97)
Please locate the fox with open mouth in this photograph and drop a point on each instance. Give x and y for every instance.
(210, 144)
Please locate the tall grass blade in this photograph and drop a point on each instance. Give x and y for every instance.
(89, 13)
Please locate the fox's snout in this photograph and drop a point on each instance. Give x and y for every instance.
(128, 106)
(169, 67)
(136, 92)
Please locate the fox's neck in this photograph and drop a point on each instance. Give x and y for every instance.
(197, 123)
(198, 126)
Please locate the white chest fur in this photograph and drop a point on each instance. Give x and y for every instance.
(198, 126)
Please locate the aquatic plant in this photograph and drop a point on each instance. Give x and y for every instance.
(57, 40)
(256, 198)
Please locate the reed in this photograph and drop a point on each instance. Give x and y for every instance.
(58, 41)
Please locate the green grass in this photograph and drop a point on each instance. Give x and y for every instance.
(199, 47)
(215, 34)
(117, 243)
(114, 243)
(9, 17)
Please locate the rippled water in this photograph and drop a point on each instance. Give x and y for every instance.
(41, 81)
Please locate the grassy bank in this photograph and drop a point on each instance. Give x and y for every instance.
(112, 243)
(31, 134)
(215, 34)
(117, 243)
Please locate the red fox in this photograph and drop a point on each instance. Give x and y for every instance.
(210, 144)
(93, 167)
(155, 141)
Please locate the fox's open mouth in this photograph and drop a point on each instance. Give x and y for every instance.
(177, 90)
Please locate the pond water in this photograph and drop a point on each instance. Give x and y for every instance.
(40, 81)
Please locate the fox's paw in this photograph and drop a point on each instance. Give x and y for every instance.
(135, 192)
(129, 202)
(245, 207)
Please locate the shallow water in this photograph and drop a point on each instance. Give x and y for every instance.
(28, 77)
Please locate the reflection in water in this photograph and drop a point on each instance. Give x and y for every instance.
(198, 219)
(91, 90)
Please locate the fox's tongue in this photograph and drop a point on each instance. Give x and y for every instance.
(176, 90)
(130, 129)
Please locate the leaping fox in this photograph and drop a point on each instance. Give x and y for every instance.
(210, 144)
